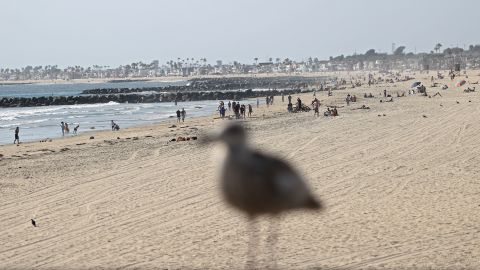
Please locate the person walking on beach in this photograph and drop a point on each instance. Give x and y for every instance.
(267, 100)
(385, 93)
(184, 113)
(178, 116)
(316, 106)
(63, 128)
(258, 102)
(283, 96)
(17, 138)
(250, 110)
(289, 99)
(229, 105)
(222, 111)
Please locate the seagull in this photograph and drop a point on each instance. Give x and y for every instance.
(34, 223)
(259, 184)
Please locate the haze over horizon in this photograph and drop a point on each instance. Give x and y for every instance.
(113, 32)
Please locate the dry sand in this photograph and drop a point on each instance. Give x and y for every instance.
(401, 191)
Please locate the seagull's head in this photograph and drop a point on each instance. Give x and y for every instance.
(232, 135)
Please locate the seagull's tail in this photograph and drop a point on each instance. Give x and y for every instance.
(313, 204)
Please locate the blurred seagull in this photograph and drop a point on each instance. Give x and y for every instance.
(258, 184)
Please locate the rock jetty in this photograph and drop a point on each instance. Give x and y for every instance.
(194, 90)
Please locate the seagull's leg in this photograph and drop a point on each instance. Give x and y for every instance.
(272, 240)
(252, 243)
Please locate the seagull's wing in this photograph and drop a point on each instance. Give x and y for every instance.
(285, 185)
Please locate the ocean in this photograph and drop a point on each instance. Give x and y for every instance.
(38, 123)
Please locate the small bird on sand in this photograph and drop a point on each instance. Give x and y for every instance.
(34, 223)
(258, 184)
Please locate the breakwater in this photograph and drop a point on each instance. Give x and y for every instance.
(194, 90)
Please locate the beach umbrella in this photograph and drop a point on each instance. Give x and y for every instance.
(415, 84)
(460, 83)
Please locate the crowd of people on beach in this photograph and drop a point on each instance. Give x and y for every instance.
(239, 110)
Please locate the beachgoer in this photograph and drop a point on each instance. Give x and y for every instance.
(250, 110)
(184, 113)
(67, 130)
(75, 129)
(17, 138)
(290, 107)
(267, 100)
(258, 102)
(63, 128)
(289, 99)
(348, 99)
(178, 116)
(316, 106)
(229, 105)
(299, 104)
(113, 125)
(385, 93)
(242, 110)
(222, 111)
(283, 96)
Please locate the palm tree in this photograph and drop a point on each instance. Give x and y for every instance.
(437, 47)
(256, 59)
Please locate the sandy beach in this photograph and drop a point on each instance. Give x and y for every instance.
(399, 180)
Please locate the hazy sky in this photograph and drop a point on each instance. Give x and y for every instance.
(114, 32)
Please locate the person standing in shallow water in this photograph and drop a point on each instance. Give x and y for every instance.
(184, 113)
(17, 138)
(178, 116)
(63, 128)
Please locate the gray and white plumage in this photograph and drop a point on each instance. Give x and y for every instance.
(257, 183)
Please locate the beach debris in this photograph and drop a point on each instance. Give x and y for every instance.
(458, 102)
(92, 127)
(135, 138)
(91, 137)
(460, 83)
(184, 139)
(424, 116)
(118, 138)
(415, 84)
(34, 223)
(258, 184)
(64, 149)
(172, 126)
